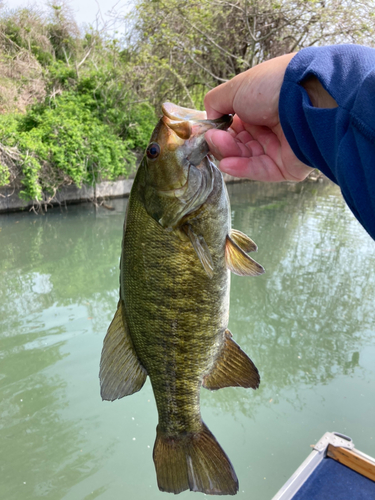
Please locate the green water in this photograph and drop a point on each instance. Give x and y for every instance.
(308, 324)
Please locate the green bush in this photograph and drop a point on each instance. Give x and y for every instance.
(139, 125)
(64, 143)
(91, 121)
(4, 175)
(113, 103)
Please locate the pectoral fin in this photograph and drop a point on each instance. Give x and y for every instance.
(239, 262)
(243, 241)
(121, 373)
(202, 250)
(233, 368)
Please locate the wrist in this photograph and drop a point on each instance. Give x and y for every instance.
(318, 95)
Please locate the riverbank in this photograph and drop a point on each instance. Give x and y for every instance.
(10, 200)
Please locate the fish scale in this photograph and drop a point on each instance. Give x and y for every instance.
(172, 316)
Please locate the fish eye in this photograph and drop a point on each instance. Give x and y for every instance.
(153, 150)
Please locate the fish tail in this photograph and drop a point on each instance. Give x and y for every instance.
(193, 461)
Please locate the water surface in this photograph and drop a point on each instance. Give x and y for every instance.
(308, 324)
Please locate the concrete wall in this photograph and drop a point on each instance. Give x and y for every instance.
(11, 202)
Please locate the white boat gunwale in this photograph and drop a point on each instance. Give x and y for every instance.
(333, 445)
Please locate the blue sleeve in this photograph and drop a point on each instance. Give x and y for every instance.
(341, 141)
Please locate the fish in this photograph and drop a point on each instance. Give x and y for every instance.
(171, 323)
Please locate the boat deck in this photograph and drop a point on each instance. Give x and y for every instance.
(335, 470)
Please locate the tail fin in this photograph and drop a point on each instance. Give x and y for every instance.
(193, 461)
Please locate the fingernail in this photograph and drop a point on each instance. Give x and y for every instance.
(211, 143)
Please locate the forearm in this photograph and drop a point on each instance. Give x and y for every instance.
(331, 125)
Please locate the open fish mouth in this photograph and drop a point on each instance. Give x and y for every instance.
(178, 113)
(191, 125)
(186, 122)
(223, 123)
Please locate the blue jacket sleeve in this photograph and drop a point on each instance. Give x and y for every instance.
(341, 141)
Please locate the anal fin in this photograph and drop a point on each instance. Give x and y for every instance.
(239, 262)
(121, 372)
(233, 368)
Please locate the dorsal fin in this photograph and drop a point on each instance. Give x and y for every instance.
(121, 372)
(239, 262)
(243, 241)
(233, 368)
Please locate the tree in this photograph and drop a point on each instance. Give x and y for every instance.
(182, 48)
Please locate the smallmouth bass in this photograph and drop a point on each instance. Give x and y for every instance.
(171, 322)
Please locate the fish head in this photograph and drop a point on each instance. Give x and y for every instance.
(178, 175)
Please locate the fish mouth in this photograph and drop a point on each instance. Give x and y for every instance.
(178, 117)
(196, 147)
(222, 123)
(191, 125)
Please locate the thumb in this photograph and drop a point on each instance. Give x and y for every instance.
(252, 95)
(219, 101)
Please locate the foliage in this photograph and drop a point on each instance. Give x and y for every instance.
(75, 105)
(182, 48)
(4, 175)
(87, 121)
(64, 143)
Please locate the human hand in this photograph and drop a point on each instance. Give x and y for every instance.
(255, 146)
